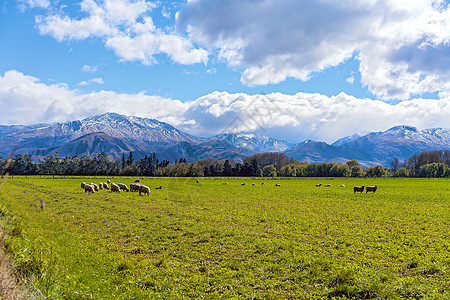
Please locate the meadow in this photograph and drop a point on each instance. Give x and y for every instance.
(211, 240)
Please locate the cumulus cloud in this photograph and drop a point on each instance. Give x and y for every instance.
(25, 100)
(403, 46)
(98, 80)
(126, 27)
(310, 116)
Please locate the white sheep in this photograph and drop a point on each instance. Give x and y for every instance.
(277, 184)
(89, 188)
(327, 185)
(134, 187)
(115, 188)
(342, 185)
(83, 184)
(96, 188)
(123, 187)
(144, 189)
(105, 186)
(100, 185)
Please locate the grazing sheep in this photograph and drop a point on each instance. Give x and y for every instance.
(277, 184)
(327, 185)
(105, 186)
(358, 189)
(198, 181)
(342, 185)
(83, 184)
(134, 187)
(144, 189)
(159, 187)
(109, 181)
(89, 188)
(96, 188)
(123, 187)
(371, 189)
(137, 180)
(318, 185)
(100, 185)
(242, 183)
(253, 184)
(262, 183)
(115, 188)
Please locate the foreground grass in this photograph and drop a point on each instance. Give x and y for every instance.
(211, 240)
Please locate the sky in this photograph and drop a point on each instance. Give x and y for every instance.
(290, 69)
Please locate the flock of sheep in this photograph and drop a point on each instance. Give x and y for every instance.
(355, 189)
(138, 187)
(134, 187)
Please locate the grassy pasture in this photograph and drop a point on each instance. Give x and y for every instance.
(210, 240)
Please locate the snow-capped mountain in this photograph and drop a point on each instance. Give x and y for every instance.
(377, 147)
(253, 143)
(117, 134)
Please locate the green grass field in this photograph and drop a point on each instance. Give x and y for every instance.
(210, 240)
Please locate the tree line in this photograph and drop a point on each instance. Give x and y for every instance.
(270, 164)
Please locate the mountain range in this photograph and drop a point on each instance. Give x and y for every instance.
(117, 134)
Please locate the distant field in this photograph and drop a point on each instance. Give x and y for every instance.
(210, 240)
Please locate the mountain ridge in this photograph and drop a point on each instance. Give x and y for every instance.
(117, 134)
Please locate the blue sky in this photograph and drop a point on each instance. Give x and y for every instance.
(200, 64)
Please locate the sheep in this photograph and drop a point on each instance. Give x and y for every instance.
(342, 185)
(89, 188)
(123, 187)
(225, 183)
(327, 185)
(371, 189)
(358, 189)
(253, 184)
(144, 189)
(242, 183)
(109, 181)
(100, 185)
(318, 185)
(137, 180)
(159, 187)
(277, 184)
(262, 183)
(198, 181)
(134, 187)
(96, 188)
(83, 184)
(115, 188)
(105, 186)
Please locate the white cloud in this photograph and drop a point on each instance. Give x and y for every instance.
(165, 12)
(90, 69)
(403, 46)
(310, 116)
(350, 79)
(126, 27)
(24, 4)
(90, 81)
(26, 100)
